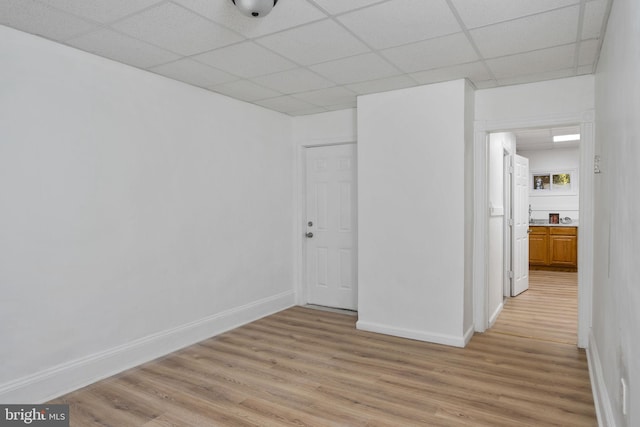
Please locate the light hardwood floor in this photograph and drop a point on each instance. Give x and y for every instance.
(309, 367)
(547, 311)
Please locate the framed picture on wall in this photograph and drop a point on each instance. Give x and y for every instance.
(554, 218)
(542, 182)
(548, 183)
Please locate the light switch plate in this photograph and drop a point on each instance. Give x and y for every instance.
(496, 211)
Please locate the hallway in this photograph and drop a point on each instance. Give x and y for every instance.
(547, 311)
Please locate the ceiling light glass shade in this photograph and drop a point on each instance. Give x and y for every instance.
(255, 8)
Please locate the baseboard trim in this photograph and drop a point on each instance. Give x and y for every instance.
(495, 314)
(59, 380)
(415, 335)
(468, 335)
(604, 411)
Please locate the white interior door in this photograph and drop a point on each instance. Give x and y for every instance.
(520, 246)
(331, 226)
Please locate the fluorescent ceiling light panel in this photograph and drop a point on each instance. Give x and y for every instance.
(565, 138)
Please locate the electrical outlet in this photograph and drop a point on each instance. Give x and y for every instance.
(624, 397)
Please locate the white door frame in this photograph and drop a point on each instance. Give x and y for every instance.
(507, 229)
(482, 129)
(300, 213)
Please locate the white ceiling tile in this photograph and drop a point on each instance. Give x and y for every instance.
(526, 64)
(339, 6)
(293, 81)
(587, 52)
(475, 13)
(434, 53)
(382, 85)
(177, 29)
(594, 13)
(245, 90)
(537, 139)
(398, 22)
(530, 33)
(326, 97)
(521, 41)
(286, 14)
(122, 48)
(286, 104)
(313, 43)
(245, 59)
(537, 77)
(356, 69)
(101, 10)
(475, 71)
(42, 20)
(195, 73)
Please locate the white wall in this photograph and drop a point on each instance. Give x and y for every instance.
(411, 205)
(552, 98)
(137, 215)
(616, 299)
(550, 103)
(335, 127)
(557, 160)
(325, 128)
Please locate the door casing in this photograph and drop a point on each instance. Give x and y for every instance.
(507, 228)
(332, 225)
(300, 213)
(482, 129)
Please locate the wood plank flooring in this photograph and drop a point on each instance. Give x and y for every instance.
(306, 367)
(548, 310)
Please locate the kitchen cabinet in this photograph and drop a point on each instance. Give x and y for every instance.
(539, 246)
(553, 248)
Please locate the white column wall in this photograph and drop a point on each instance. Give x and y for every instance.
(411, 204)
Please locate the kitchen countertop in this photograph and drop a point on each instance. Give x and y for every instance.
(573, 224)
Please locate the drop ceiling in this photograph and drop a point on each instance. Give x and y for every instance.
(542, 139)
(311, 56)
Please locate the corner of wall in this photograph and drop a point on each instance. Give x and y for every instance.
(419, 335)
(469, 120)
(58, 380)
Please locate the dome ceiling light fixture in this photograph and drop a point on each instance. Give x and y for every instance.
(255, 8)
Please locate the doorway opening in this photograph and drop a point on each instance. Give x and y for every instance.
(537, 182)
(330, 226)
(482, 209)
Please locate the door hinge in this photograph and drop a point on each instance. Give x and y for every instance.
(510, 222)
(511, 275)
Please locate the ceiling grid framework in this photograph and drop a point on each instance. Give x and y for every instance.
(311, 56)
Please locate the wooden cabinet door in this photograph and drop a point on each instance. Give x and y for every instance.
(563, 251)
(538, 246)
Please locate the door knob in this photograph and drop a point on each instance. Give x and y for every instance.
(309, 235)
